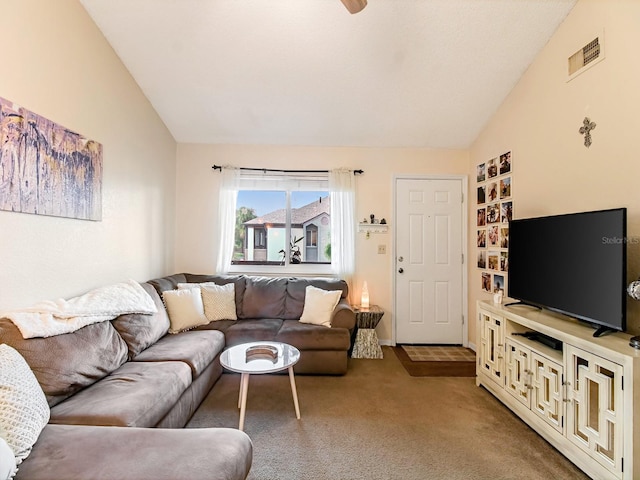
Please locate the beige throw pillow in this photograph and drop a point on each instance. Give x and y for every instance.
(185, 309)
(319, 305)
(8, 466)
(219, 300)
(24, 410)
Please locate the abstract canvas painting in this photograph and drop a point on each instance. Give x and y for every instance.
(46, 169)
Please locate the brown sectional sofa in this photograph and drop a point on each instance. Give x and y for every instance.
(269, 309)
(130, 373)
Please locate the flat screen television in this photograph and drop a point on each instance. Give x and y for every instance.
(574, 264)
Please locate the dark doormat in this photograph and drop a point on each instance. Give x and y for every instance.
(435, 368)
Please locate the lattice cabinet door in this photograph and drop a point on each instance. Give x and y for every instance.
(594, 412)
(517, 378)
(546, 390)
(491, 359)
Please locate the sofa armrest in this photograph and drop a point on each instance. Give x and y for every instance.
(343, 316)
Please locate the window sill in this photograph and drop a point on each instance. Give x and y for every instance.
(283, 271)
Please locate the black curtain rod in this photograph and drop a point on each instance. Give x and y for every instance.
(219, 167)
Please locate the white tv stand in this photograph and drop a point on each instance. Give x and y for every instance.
(580, 398)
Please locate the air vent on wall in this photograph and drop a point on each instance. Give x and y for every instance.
(586, 57)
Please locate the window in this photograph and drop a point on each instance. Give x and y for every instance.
(282, 227)
(312, 236)
(260, 238)
(273, 221)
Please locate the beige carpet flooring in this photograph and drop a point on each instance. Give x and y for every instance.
(379, 423)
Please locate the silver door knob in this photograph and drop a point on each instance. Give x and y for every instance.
(400, 259)
(401, 270)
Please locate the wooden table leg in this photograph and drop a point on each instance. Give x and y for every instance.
(244, 386)
(294, 392)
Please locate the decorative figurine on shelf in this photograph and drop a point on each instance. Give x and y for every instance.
(365, 220)
(497, 297)
(372, 217)
(383, 222)
(634, 292)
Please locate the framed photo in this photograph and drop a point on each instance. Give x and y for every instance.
(482, 259)
(493, 261)
(482, 238)
(482, 217)
(492, 191)
(504, 261)
(486, 282)
(481, 173)
(493, 213)
(506, 212)
(498, 284)
(493, 234)
(504, 237)
(505, 187)
(492, 168)
(505, 163)
(482, 194)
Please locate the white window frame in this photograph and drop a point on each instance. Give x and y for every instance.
(288, 183)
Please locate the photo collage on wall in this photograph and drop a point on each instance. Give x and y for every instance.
(494, 210)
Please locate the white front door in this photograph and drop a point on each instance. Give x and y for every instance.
(429, 261)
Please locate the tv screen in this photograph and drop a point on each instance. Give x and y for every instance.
(573, 264)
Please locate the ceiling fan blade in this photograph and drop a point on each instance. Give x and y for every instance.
(354, 6)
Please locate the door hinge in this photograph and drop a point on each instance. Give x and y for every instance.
(463, 258)
(463, 319)
(622, 383)
(462, 198)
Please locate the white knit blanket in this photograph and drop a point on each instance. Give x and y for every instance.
(55, 317)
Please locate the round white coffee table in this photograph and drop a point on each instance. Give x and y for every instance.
(259, 360)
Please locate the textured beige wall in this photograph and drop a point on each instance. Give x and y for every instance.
(56, 63)
(553, 172)
(197, 194)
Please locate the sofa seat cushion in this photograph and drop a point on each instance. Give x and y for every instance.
(138, 394)
(244, 331)
(64, 364)
(197, 348)
(306, 336)
(110, 453)
(140, 331)
(220, 325)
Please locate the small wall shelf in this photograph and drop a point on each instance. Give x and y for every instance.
(373, 228)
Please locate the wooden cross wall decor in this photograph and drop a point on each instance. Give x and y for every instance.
(585, 129)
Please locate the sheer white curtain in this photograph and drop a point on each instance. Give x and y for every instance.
(342, 187)
(229, 186)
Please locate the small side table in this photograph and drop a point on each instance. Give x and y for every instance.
(367, 344)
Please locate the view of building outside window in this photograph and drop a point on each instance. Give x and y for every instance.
(261, 236)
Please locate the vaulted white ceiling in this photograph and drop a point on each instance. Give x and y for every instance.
(401, 73)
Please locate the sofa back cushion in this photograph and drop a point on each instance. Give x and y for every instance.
(64, 364)
(239, 282)
(170, 282)
(264, 297)
(141, 331)
(296, 287)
